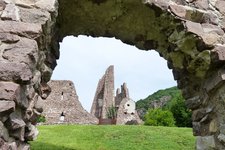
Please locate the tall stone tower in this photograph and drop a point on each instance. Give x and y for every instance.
(104, 96)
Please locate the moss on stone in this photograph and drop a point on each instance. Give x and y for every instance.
(200, 64)
(177, 59)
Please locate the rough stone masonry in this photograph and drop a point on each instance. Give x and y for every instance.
(189, 34)
(105, 100)
(63, 100)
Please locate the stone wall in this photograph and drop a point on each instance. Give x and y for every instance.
(64, 99)
(189, 34)
(121, 93)
(27, 56)
(104, 96)
(126, 116)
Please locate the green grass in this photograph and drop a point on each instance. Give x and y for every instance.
(90, 137)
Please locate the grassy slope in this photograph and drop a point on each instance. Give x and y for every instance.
(86, 137)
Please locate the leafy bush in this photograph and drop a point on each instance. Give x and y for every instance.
(181, 113)
(159, 117)
(111, 112)
(41, 119)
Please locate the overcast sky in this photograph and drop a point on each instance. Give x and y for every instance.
(85, 59)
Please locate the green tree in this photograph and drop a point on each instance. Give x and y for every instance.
(159, 117)
(180, 112)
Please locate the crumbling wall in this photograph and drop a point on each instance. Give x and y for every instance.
(126, 114)
(64, 99)
(121, 93)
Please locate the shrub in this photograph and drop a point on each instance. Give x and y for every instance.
(159, 117)
(41, 119)
(181, 113)
(111, 112)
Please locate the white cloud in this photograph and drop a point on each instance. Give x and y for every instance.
(84, 60)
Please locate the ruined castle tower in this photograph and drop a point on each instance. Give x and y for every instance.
(104, 96)
(63, 105)
(104, 99)
(126, 107)
(121, 94)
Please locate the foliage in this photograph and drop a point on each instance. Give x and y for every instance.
(144, 103)
(159, 117)
(92, 137)
(111, 112)
(180, 112)
(41, 119)
(176, 105)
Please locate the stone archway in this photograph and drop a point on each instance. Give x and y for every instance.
(188, 34)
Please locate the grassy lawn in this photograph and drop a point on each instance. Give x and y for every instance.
(90, 137)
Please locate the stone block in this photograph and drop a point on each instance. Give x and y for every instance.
(11, 12)
(39, 104)
(46, 73)
(29, 30)
(15, 72)
(205, 143)
(210, 28)
(6, 106)
(213, 126)
(221, 138)
(2, 5)
(159, 3)
(9, 90)
(49, 5)
(178, 10)
(3, 145)
(25, 3)
(9, 38)
(211, 39)
(202, 4)
(200, 129)
(194, 27)
(18, 133)
(24, 146)
(15, 121)
(220, 5)
(31, 133)
(37, 16)
(187, 13)
(3, 132)
(193, 103)
(45, 90)
(24, 51)
(215, 80)
(13, 146)
(218, 53)
(197, 115)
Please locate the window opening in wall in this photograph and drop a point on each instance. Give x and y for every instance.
(62, 96)
(62, 117)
